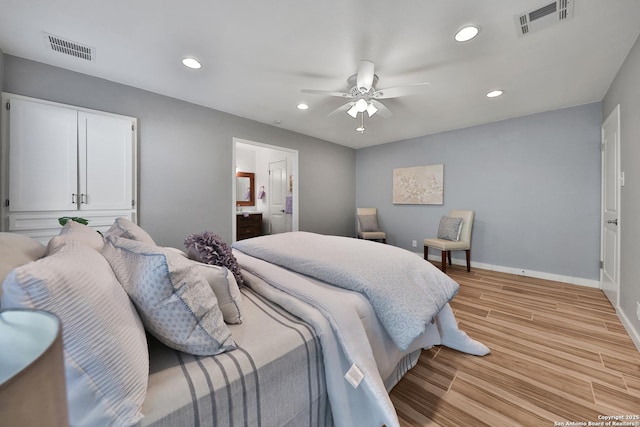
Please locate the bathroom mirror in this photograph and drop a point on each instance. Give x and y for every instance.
(245, 189)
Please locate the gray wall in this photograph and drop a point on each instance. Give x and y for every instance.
(534, 183)
(1, 82)
(185, 155)
(625, 90)
(1, 70)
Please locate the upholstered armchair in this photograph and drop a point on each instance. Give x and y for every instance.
(454, 234)
(368, 227)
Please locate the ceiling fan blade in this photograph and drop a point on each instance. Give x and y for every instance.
(382, 110)
(364, 79)
(398, 91)
(341, 109)
(327, 93)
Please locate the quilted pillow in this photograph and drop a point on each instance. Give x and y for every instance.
(105, 346)
(16, 250)
(449, 228)
(79, 232)
(174, 300)
(368, 223)
(225, 287)
(123, 227)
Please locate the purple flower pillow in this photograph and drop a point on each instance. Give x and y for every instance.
(209, 248)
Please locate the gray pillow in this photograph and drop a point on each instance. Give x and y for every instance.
(368, 223)
(449, 228)
(175, 302)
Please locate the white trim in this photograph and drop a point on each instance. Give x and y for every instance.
(590, 283)
(633, 333)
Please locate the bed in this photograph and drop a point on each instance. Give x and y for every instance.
(307, 352)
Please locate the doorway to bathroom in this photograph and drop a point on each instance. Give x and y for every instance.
(275, 198)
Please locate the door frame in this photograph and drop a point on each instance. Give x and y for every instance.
(614, 115)
(294, 171)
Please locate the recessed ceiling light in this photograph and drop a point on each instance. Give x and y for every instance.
(466, 33)
(191, 63)
(494, 93)
(303, 106)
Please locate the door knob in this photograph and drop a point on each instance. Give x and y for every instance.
(613, 221)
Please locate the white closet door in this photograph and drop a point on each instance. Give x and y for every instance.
(106, 152)
(43, 157)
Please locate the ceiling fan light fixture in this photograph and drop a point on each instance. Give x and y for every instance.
(361, 105)
(353, 111)
(360, 129)
(371, 109)
(466, 33)
(191, 63)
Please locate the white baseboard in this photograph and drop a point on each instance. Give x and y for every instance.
(633, 333)
(522, 272)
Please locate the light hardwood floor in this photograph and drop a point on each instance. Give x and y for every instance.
(559, 355)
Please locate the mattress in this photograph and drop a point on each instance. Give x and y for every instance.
(274, 378)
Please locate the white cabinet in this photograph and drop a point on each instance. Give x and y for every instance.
(65, 161)
(43, 157)
(105, 161)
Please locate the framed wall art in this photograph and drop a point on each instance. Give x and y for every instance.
(419, 185)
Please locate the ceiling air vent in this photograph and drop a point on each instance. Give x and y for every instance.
(543, 17)
(68, 47)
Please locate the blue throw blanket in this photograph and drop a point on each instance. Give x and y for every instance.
(405, 291)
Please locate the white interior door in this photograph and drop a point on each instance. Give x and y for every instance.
(610, 227)
(278, 196)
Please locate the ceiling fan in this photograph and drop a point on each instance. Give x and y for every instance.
(363, 94)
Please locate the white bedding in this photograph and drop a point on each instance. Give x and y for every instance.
(362, 361)
(350, 334)
(405, 292)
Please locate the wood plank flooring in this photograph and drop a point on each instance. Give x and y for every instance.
(559, 356)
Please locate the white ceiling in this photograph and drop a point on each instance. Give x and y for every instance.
(258, 55)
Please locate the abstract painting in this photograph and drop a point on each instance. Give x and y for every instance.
(420, 185)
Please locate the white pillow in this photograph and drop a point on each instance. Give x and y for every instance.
(105, 347)
(16, 250)
(174, 300)
(123, 227)
(224, 285)
(82, 233)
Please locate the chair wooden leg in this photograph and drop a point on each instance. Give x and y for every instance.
(444, 261)
(426, 253)
(449, 255)
(468, 259)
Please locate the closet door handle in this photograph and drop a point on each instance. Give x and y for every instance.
(83, 198)
(73, 198)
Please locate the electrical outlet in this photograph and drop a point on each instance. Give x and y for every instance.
(414, 243)
(638, 310)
